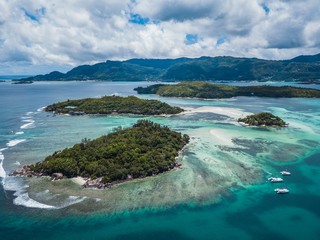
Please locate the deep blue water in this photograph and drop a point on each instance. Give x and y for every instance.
(249, 212)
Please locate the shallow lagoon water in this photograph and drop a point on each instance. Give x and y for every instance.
(220, 193)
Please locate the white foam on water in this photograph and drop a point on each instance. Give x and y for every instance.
(24, 200)
(71, 200)
(2, 171)
(13, 143)
(17, 185)
(30, 120)
(26, 117)
(22, 197)
(11, 183)
(65, 203)
(41, 109)
(29, 124)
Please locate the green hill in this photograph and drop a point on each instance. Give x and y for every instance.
(301, 68)
(113, 105)
(143, 150)
(263, 119)
(209, 90)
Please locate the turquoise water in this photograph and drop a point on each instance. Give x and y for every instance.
(220, 193)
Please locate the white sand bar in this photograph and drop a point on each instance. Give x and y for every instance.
(230, 112)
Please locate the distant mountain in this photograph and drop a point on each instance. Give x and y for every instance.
(306, 58)
(301, 68)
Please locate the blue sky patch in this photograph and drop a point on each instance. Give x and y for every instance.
(191, 39)
(138, 19)
(35, 17)
(30, 16)
(265, 8)
(221, 41)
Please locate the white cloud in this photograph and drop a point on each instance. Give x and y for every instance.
(38, 35)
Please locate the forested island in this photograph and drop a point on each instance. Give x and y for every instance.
(113, 105)
(263, 119)
(301, 68)
(145, 149)
(208, 90)
(22, 82)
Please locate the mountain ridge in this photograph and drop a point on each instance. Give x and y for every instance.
(301, 68)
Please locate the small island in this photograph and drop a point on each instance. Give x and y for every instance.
(206, 90)
(264, 119)
(146, 149)
(113, 105)
(22, 82)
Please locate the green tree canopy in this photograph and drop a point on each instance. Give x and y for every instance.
(113, 105)
(145, 149)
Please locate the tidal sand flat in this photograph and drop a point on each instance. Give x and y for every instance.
(225, 111)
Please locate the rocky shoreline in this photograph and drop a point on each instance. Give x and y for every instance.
(26, 171)
(96, 183)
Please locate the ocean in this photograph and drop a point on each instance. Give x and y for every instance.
(221, 192)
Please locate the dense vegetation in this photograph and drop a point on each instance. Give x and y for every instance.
(113, 105)
(209, 90)
(302, 68)
(263, 119)
(143, 150)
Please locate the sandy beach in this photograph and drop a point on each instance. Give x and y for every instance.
(79, 180)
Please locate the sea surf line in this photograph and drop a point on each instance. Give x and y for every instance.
(16, 185)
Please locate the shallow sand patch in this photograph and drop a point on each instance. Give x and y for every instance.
(222, 137)
(230, 112)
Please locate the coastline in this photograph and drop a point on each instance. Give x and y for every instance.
(177, 186)
(86, 182)
(114, 115)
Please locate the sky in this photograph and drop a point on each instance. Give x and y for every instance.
(40, 36)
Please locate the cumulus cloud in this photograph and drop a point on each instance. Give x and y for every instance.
(39, 36)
